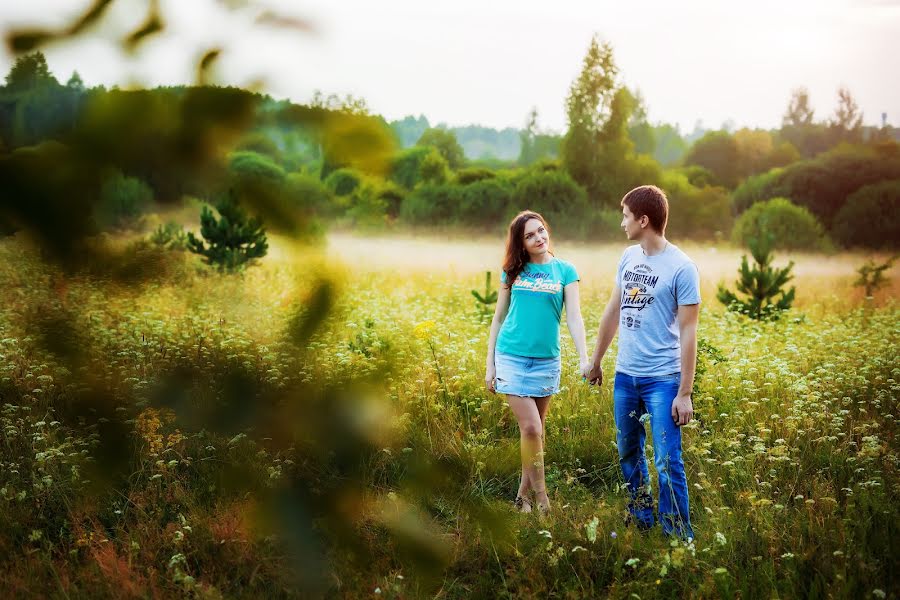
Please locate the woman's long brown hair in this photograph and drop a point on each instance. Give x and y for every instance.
(516, 254)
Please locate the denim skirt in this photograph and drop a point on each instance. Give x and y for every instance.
(526, 376)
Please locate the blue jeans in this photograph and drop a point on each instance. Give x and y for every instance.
(634, 397)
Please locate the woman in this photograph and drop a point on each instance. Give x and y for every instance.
(523, 347)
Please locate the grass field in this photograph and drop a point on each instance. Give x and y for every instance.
(318, 426)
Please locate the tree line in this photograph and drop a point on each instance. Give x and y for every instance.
(333, 162)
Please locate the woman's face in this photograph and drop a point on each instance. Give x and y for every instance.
(536, 238)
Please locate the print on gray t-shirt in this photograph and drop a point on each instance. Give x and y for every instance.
(653, 287)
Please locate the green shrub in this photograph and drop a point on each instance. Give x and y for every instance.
(393, 196)
(698, 176)
(367, 208)
(430, 204)
(793, 227)
(308, 194)
(603, 225)
(485, 202)
(718, 153)
(260, 143)
(871, 217)
(758, 188)
(234, 239)
(434, 168)
(473, 174)
(343, 182)
(170, 236)
(761, 287)
(123, 201)
(555, 195)
(697, 213)
(824, 183)
(406, 168)
(253, 168)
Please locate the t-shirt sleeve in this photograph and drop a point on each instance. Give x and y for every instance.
(502, 276)
(570, 274)
(687, 285)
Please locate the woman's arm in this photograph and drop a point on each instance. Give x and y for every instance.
(499, 316)
(572, 301)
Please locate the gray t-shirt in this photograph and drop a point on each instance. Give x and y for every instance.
(653, 287)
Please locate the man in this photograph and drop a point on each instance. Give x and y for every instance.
(655, 305)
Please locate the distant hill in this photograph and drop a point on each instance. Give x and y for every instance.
(477, 142)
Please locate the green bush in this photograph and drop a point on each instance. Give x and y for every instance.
(434, 168)
(406, 168)
(123, 201)
(253, 168)
(793, 227)
(824, 183)
(430, 204)
(170, 236)
(367, 208)
(718, 153)
(473, 174)
(235, 240)
(393, 196)
(602, 225)
(343, 182)
(696, 212)
(758, 188)
(555, 195)
(485, 202)
(871, 217)
(698, 176)
(308, 194)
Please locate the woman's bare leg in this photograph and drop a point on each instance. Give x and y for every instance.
(532, 448)
(542, 404)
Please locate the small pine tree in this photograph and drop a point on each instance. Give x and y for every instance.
(234, 239)
(871, 275)
(484, 301)
(761, 284)
(170, 236)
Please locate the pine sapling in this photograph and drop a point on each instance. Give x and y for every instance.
(234, 239)
(761, 284)
(489, 297)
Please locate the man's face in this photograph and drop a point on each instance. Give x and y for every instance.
(634, 228)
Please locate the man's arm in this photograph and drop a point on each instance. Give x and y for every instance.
(609, 323)
(682, 407)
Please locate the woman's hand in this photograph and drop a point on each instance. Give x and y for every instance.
(585, 367)
(489, 376)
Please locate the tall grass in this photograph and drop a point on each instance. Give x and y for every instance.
(792, 459)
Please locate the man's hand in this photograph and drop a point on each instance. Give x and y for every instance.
(489, 376)
(595, 375)
(682, 409)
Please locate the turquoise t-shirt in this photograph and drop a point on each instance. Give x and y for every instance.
(531, 327)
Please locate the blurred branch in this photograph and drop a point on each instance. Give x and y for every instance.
(29, 39)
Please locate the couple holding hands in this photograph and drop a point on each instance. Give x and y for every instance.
(654, 306)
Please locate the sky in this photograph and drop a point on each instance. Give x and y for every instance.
(489, 62)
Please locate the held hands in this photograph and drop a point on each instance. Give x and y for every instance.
(682, 409)
(584, 368)
(595, 374)
(489, 376)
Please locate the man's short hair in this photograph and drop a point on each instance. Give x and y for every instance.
(651, 201)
